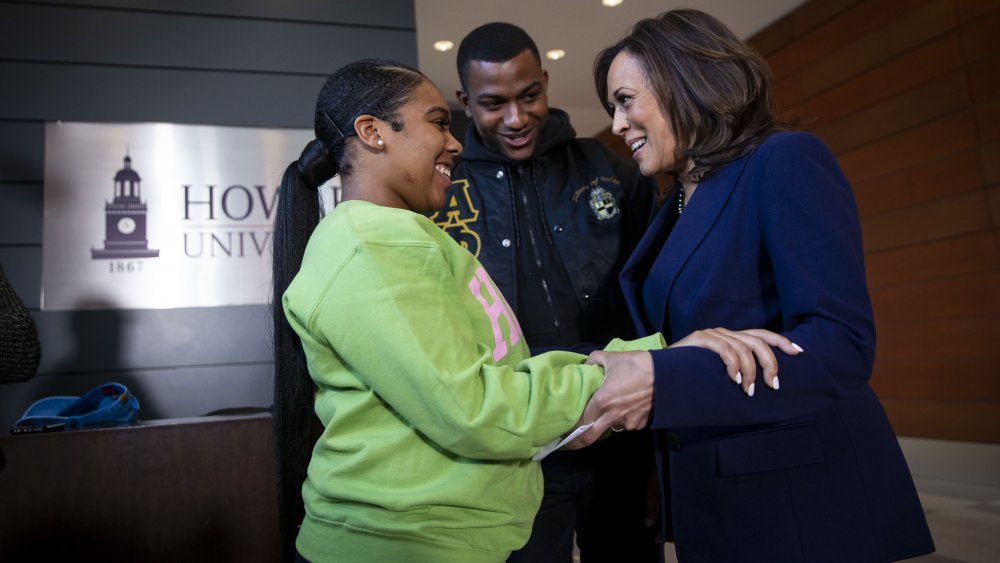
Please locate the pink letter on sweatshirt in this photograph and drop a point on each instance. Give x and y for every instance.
(494, 311)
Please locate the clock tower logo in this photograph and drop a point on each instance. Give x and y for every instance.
(125, 220)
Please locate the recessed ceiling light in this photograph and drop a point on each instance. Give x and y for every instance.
(555, 54)
(611, 3)
(443, 45)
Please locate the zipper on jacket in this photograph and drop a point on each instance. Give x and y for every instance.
(534, 243)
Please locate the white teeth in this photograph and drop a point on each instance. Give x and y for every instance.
(636, 144)
(443, 169)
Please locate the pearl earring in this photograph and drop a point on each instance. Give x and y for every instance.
(380, 143)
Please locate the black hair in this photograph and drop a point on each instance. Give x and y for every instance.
(495, 42)
(373, 87)
(714, 88)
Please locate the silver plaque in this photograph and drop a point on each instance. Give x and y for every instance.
(156, 215)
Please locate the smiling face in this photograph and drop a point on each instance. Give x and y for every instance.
(420, 155)
(508, 103)
(638, 117)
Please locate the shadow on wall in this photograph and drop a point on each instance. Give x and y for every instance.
(93, 357)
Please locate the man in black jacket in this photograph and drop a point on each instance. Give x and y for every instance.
(553, 219)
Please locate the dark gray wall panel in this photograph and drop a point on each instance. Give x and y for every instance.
(55, 92)
(172, 393)
(21, 213)
(147, 39)
(388, 13)
(109, 340)
(23, 267)
(22, 146)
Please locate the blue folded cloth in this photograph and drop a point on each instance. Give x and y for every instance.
(111, 403)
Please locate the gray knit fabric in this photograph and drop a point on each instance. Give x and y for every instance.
(19, 349)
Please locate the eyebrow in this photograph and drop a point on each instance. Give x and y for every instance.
(525, 90)
(438, 109)
(619, 91)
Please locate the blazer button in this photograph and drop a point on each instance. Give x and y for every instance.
(499, 174)
(674, 442)
(505, 243)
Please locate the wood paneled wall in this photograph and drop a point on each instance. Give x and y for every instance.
(907, 95)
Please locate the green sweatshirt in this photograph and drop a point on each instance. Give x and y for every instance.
(431, 405)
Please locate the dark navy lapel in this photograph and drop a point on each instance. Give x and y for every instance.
(629, 278)
(691, 228)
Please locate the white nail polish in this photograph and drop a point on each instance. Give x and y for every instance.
(797, 347)
(739, 377)
(750, 390)
(775, 384)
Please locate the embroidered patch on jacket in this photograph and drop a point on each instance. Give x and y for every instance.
(603, 204)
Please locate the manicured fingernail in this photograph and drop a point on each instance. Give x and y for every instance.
(797, 347)
(774, 383)
(739, 377)
(750, 390)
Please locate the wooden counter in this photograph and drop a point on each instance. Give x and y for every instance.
(195, 489)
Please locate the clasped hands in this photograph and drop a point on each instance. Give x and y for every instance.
(625, 398)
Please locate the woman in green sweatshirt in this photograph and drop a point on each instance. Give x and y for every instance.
(431, 408)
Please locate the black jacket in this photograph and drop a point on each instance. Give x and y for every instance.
(594, 208)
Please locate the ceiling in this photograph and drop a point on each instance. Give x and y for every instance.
(579, 27)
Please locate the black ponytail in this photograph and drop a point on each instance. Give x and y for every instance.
(316, 165)
(292, 414)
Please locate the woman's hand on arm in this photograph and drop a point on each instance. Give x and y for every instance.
(742, 351)
(624, 400)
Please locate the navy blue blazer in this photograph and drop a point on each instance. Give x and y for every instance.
(810, 472)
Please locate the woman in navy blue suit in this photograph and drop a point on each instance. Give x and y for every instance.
(760, 231)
